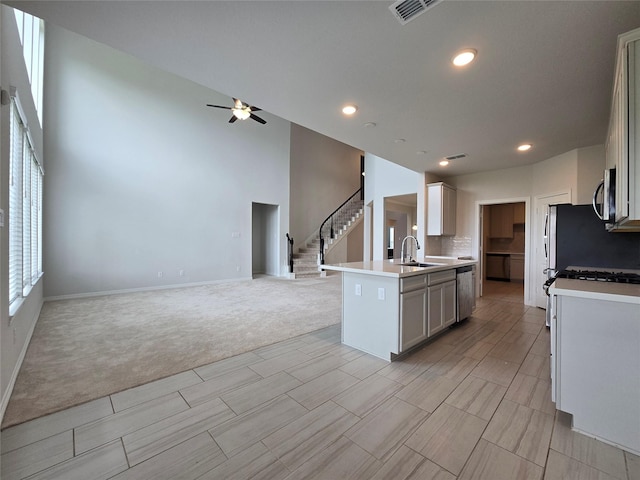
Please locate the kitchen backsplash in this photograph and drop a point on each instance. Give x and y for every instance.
(448, 246)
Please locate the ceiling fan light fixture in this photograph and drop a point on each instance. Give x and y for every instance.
(349, 109)
(241, 113)
(444, 163)
(464, 57)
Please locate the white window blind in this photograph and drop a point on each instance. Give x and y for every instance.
(15, 205)
(25, 209)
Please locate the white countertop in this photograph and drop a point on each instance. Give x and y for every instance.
(612, 291)
(389, 268)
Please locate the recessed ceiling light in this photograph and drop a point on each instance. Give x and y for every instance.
(369, 125)
(524, 147)
(399, 140)
(421, 152)
(444, 163)
(349, 109)
(464, 57)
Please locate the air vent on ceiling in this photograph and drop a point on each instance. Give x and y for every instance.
(457, 156)
(407, 10)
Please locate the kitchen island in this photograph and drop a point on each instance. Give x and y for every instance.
(595, 358)
(389, 308)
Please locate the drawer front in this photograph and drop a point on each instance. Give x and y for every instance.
(415, 282)
(443, 276)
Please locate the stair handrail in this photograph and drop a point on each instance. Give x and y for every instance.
(331, 217)
(290, 253)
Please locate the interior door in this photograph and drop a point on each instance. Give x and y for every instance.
(541, 204)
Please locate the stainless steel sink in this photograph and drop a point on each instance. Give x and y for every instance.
(421, 264)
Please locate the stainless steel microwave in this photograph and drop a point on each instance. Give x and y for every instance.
(606, 210)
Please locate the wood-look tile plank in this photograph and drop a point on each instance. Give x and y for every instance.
(316, 367)
(478, 350)
(561, 467)
(496, 371)
(384, 430)
(366, 395)
(404, 371)
(274, 365)
(38, 456)
(160, 436)
(227, 365)
(144, 393)
(255, 463)
(317, 391)
(47, 426)
(428, 391)
(510, 352)
(477, 396)
(364, 366)
(254, 394)
(490, 462)
(521, 430)
(320, 347)
(518, 336)
(447, 437)
(275, 350)
(239, 433)
(308, 435)
(186, 461)
(342, 460)
(406, 464)
(219, 385)
(527, 326)
(100, 463)
(454, 366)
(536, 366)
(532, 392)
(590, 451)
(109, 428)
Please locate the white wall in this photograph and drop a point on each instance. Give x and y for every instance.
(143, 178)
(15, 332)
(384, 179)
(591, 165)
(324, 173)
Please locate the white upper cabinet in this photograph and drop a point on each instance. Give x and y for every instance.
(441, 209)
(623, 138)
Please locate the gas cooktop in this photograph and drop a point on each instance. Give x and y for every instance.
(600, 276)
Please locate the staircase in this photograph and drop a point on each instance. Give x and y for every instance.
(306, 263)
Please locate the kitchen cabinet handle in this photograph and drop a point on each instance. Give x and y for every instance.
(546, 236)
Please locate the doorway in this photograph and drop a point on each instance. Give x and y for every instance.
(399, 221)
(264, 239)
(503, 246)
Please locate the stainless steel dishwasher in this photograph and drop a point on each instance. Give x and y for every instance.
(465, 294)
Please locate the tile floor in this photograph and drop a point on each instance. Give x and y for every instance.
(473, 404)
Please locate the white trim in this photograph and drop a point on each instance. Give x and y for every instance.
(14, 375)
(142, 289)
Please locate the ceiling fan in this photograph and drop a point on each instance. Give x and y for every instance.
(241, 111)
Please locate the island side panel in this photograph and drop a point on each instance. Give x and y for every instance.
(369, 323)
(599, 357)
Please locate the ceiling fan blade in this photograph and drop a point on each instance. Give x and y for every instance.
(219, 106)
(255, 109)
(257, 118)
(233, 119)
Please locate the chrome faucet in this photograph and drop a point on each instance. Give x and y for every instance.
(402, 249)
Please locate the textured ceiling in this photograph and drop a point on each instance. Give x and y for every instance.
(543, 73)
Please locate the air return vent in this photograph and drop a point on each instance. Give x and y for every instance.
(407, 10)
(457, 156)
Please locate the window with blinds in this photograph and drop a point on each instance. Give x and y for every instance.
(25, 209)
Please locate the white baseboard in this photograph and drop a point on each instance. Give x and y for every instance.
(142, 289)
(16, 369)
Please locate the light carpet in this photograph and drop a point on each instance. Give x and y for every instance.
(83, 349)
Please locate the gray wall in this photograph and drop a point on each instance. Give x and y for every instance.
(324, 173)
(143, 178)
